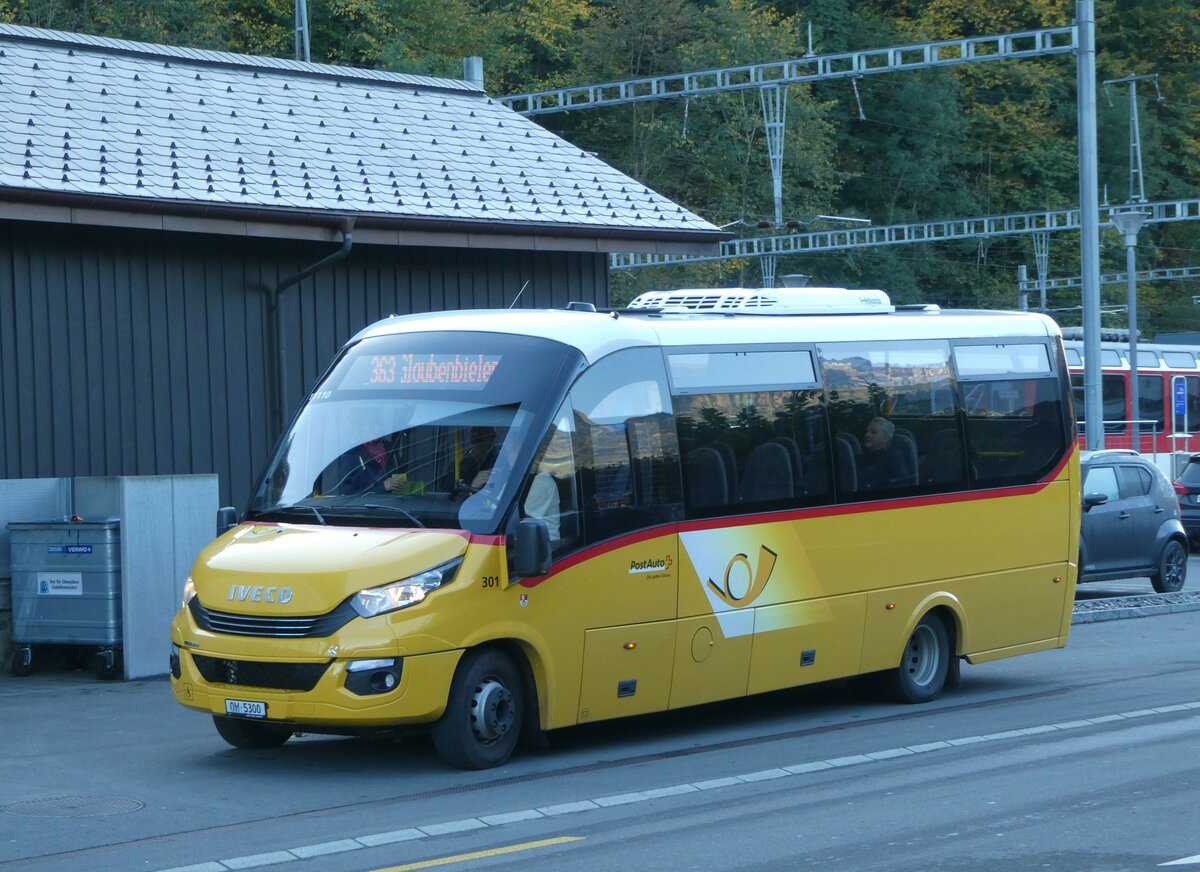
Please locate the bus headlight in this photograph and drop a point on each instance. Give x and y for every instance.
(406, 592)
(189, 591)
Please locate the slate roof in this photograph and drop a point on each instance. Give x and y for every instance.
(148, 124)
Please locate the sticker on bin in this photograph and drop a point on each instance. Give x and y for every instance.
(68, 549)
(60, 583)
(245, 708)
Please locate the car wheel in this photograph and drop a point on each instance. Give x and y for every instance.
(1172, 568)
(924, 664)
(251, 735)
(483, 716)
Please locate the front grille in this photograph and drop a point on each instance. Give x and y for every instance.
(305, 627)
(254, 673)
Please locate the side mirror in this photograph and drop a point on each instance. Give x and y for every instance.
(1090, 501)
(227, 519)
(531, 549)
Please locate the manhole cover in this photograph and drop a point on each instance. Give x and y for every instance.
(74, 806)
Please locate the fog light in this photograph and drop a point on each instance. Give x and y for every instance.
(366, 677)
(175, 670)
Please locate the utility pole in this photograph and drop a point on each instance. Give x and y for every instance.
(303, 49)
(1137, 187)
(1089, 222)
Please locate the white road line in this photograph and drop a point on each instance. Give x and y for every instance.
(1193, 860)
(374, 840)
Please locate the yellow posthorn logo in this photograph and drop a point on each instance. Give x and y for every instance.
(757, 579)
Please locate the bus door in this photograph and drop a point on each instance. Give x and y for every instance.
(620, 582)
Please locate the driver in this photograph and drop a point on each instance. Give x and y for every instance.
(479, 458)
(365, 466)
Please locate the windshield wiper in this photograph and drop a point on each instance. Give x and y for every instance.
(297, 508)
(405, 513)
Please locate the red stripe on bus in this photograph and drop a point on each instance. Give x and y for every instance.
(794, 515)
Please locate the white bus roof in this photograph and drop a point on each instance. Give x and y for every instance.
(596, 334)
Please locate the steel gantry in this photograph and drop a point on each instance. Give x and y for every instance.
(901, 234)
(813, 68)
(773, 78)
(1145, 275)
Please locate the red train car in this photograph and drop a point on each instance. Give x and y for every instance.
(1168, 413)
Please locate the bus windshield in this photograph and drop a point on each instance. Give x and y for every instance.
(417, 430)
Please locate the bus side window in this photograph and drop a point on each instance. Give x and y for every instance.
(749, 451)
(1014, 443)
(625, 446)
(893, 411)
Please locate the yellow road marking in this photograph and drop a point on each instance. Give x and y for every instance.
(479, 855)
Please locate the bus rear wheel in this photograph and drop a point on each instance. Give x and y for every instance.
(251, 735)
(483, 716)
(924, 664)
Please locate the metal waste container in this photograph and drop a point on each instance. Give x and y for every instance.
(66, 589)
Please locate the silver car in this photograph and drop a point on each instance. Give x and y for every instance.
(1131, 525)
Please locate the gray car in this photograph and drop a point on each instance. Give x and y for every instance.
(1131, 525)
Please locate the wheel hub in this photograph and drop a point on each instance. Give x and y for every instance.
(923, 656)
(492, 711)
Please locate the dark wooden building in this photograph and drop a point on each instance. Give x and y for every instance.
(188, 237)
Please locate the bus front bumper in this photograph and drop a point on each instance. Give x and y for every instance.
(418, 696)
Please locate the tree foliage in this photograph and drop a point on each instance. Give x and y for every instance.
(923, 145)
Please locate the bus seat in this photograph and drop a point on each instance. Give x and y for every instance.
(793, 451)
(706, 482)
(729, 463)
(768, 474)
(943, 459)
(847, 467)
(907, 448)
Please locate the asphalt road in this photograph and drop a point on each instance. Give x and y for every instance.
(1085, 758)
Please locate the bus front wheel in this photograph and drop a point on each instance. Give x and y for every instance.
(483, 712)
(924, 664)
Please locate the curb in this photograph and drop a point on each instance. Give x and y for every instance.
(1115, 610)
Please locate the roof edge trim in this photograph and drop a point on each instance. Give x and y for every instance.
(91, 209)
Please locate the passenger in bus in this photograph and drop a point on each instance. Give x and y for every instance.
(542, 501)
(884, 462)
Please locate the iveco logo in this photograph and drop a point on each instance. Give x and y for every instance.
(258, 593)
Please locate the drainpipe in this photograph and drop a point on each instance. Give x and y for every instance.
(276, 304)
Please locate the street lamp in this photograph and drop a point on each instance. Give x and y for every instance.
(1128, 224)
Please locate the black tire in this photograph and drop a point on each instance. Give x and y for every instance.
(484, 712)
(1172, 568)
(107, 671)
(22, 661)
(924, 664)
(251, 735)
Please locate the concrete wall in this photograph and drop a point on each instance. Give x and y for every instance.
(165, 522)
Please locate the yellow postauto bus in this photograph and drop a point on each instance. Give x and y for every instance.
(496, 522)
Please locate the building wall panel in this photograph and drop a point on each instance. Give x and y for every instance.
(130, 352)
